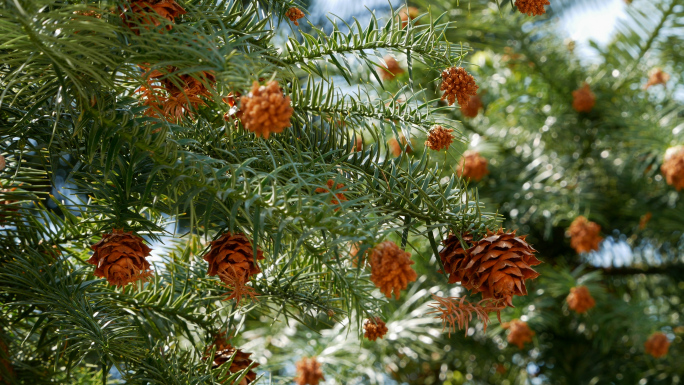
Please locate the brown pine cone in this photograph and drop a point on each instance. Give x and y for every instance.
(266, 110)
(374, 329)
(439, 138)
(580, 299)
(583, 99)
(472, 166)
(458, 84)
(231, 257)
(392, 70)
(120, 258)
(519, 333)
(473, 107)
(657, 345)
(391, 268)
(584, 235)
(657, 77)
(673, 167)
(532, 7)
(294, 14)
(499, 265)
(240, 362)
(455, 258)
(309, 372)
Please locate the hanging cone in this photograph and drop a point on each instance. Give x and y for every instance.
(120, 258)
(391, 268)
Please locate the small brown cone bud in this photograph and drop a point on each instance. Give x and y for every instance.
(120, 258)
(241, 361)
(294, 14)
(584, 235)
(657, 345)
(532, 7)
(458, 84)
(519, 333)
(583, 99)
(455, 257)
(391, 268)
(499, 265)
(472, 166)
(266, 110)
(580, 299)
(374, 329)
(473, 107)
(673, 167)
(657, 77)
(392, 70)
(309, 372)
(439, 138)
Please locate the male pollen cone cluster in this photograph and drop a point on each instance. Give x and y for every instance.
(472, 108)
(391, 70)
(439, 138)
(241, 361)
(657, 345)
(374, 329)
(532, 7)
(120, 258)
(457, 84)
(406, 14)
(309, 372)
(657, 77)
(294, 14)
(519, 333)
(580, 299)
(266, 110)
(673, 167)
(391, 268)
(172, 98)
(583, 99)
(147, 13)
(584, 235)
(472, 166)
(231, 257)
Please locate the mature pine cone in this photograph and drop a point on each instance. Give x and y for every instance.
(439, 138)
(472, 166)
(580, 299)
(499, 265)
(583, 99)
(584, 235)
(457, 84)
(374, 329)
(391, 268)
(473, 107)
(232, 258)
(657, 345)
(309, 372)
(673, 167)
(455, 258)
(240, 362)
(519, 333)
(120, 258)
(266, 110)
(532, 7)
(294, 14)
(392, 70)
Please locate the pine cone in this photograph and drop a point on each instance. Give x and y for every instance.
(294, 14)
(120, 258)
(309, 372)
(439, 138)
(473, 107)
(472, 166)
(406, 14)
(532, 7)
(584, 235)
(499, 265)
(657, 77)
(391, 268)
(657, 345)
(519, 333)
(455, 258)
(376, 329)
(583, 99)
(673, 167)
(240, 362)
(232, 258)
(392, 70)
(458, 84)
(266, 110)
(147, 13)
(580, 299)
